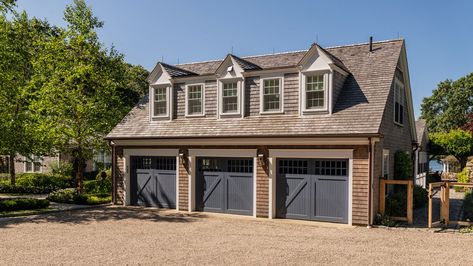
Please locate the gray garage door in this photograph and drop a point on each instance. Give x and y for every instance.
(225, 185)
(153, 181)
(312, 189)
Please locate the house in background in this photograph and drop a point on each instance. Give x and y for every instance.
(421, 155)
(42, 164)
(298, 135)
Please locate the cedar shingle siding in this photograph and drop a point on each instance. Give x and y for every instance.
(362, 100)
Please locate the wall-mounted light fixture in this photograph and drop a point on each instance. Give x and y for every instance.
(261, 158)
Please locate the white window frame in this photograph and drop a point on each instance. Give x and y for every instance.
(202, 85)
(32, 162)
(239, 96)
(281, 96)
(304, 75)
(385, 170)
(168, 100)
(399, 83)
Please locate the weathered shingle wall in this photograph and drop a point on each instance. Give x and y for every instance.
(291, 93)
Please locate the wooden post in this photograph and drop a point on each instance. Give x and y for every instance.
(447, 203)
(382, 196)
(430, 205)
(410, 202)
(444, 203)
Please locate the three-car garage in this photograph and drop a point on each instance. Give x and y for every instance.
(308, 188)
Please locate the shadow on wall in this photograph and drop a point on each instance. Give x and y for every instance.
(105, 214)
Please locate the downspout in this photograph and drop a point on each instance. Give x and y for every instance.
(113, 171)
(370, 186)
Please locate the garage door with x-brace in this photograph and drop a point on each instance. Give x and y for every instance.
(153, 181)
(225, 185)
(312, 189)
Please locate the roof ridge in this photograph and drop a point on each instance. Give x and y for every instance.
(290, 52)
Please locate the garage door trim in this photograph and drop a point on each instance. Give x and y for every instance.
(274, 154)
(127, 153)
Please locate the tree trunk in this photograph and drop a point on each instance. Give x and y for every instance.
(463, 161)
(80, 175)
(11, 159)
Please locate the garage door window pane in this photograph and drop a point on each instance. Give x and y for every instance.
(240, 166)
(164, 163)
(293, 167)
(143, 163)
(210, 165)
(331, 167)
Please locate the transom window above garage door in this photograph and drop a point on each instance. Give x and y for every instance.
(161, 163)
(234, 165)
(331, 167)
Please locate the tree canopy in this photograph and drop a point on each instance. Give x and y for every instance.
(450, 105)
(456, 142)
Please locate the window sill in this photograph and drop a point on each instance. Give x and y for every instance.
(399, 124)
(315, 111)
(195, 116)
(160, 118)
(271, 112)
(231, 115)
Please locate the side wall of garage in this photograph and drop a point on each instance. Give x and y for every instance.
(360, 180)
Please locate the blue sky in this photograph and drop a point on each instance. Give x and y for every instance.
(439, 34)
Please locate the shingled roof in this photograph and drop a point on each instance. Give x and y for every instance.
(358, 110)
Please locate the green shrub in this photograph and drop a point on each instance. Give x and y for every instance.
(61, 168)
(421, 196)
(463, 176)
(384, 220)
(101, 184)
(43, 180)
(63, 195)
(402, 166)
(7, 188)
(396, 204)
(23, 204)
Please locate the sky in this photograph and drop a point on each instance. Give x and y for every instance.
(438, 34)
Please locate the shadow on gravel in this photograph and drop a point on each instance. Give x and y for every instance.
(105, 214)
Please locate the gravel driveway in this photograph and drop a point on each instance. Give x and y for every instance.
(116, 235)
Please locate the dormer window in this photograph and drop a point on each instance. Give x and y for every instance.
(314, 96)
(230, 98)
(271, 95)
(195, 100)
(161, 101)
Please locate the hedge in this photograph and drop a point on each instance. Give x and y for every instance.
(23, 204)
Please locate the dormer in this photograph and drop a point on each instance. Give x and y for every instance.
(161, 80)
(321, 78)
(231, 84)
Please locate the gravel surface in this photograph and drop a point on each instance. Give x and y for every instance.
(116, 235)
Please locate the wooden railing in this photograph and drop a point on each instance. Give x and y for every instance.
(410, 202)
(444, 203)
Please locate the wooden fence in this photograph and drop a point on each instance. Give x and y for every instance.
(410, 202)
(444, 203)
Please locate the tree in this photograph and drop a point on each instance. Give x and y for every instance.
(82, 88)
(450, 105)
(458, 143)
(18, 47)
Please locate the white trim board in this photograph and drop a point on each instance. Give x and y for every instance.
(223, 152)
(147, 152)
(309, 153)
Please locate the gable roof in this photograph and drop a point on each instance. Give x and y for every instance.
(365, 92)
(176, 71)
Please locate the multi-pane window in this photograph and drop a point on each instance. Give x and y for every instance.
(194, 100)
(398, 102)
(271, 95)
(160, 101)
(230, 97)
(315, 92)
(33, 164)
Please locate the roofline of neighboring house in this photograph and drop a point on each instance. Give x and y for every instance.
(250, 137)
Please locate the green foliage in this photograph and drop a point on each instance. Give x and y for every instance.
(421, 197)
(450, 104)
(402, 166)
(7, 5)
(43, 180)
(385, 221)
(71, 196)
(61, 168)
(396, 204)
(463, 176)
(456, 142)
(6, 187)
(23, 204)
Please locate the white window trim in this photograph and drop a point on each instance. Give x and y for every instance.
(127, 153)
(281, 95)
(240, 95)
(327, 88)
(274, 154)
(32, 165)
(202, 114)
(385, 152)
(401, 84)
(168, 101)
